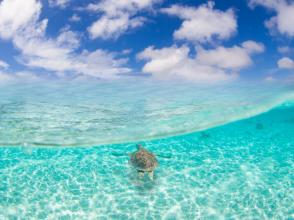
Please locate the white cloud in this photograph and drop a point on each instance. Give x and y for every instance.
(68, 38)
(204, 23)
(286, 63)
(58, 3)
(174, 62)
(75, 18)
(220, 64)
(59, 55)
(269, 79)
(18, 77)
(253, 47)
(235, 58)
(284, 20)
(285, 49)
(106, 27)
(117, 17)
(5, 77)
(114, 7)
(15, 15)
(265, 3)
(99, 63)
(54, 54)
(3, 64)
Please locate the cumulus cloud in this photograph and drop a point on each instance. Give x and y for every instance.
(68, 38)
(75, 18)
(115, 8)
(269, 79)
(54, 54)
(253, 47)
(219, 64)
(58, 3)
(285, 49)
(286, 63)
(59, 55)
(98, 63)
(117, 17)
(204, 23)
(107, 28)
(15, 15)
(3, 64)
(18, 77)
(235, 58)
(284, 19)
(174, 62)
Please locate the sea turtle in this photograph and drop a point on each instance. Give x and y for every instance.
(144, 161)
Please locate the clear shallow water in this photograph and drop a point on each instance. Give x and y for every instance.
(243, 170)
(89, 114)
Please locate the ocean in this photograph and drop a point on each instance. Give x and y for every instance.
(224, 151)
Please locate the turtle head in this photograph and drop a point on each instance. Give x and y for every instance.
(139, 146)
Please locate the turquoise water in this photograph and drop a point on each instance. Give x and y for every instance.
(220, 170)
(107, 112)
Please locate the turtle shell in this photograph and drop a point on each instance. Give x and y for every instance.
(143, 160)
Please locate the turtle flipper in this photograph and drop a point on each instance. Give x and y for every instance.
(141, 174)
(150, 174)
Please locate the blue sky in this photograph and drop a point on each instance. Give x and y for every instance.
(191, 40)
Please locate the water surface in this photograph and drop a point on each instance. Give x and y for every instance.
(105, 112)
